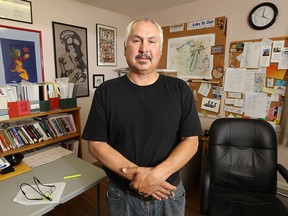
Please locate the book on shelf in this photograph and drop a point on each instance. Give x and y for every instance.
(57, 127)
(70, 122)
(10, 138)
(62, 123)
(13, 136)
(6, 142)
(26, 135)
(72, 145)
(47, 129)
(30, 133)
(46, 133)
(41, 131)
(32, 130)
(15, 133)
(52, 129)
(44, 125)
(20, 133)
(3, 147)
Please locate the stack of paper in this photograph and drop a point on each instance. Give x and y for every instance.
(3, 107)
(46, 156)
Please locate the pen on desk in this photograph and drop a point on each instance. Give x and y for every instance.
(72, 176)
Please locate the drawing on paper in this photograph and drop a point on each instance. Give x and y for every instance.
(190, 56)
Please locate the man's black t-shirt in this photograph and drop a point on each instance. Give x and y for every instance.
(143, 123)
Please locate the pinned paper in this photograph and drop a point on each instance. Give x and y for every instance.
(273, 72)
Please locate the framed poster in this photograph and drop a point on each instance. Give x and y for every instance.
(21, 54)
(106, 45)
(71, 55)
(97, 80)
(16, 10)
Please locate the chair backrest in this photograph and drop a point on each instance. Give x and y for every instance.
(243, 155)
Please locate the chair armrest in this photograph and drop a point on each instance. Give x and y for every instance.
(283, 171)
(205, 186)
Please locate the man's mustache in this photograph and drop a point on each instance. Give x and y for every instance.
(143, 55)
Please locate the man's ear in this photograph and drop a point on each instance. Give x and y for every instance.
(125, 49)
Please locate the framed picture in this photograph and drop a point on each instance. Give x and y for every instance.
(106, 45)
(71, 55)
(20, 55)
(97, 80)
(16, 10)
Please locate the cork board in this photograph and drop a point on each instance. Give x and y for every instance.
(219, 30)
(235, 50)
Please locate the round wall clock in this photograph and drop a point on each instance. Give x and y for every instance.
(217, 72)
(263, 16)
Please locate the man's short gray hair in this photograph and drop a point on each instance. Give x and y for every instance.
(131, 25)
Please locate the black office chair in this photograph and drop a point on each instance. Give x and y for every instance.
(240, 170)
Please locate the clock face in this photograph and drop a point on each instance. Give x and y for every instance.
(218, 72)
(263, 16)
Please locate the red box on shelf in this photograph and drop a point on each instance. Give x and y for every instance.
(54, 103)
(18, 108)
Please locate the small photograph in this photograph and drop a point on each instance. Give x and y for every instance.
(240, 47)
(277, 49)
(98, 79)
(210, 104)
(266, 52)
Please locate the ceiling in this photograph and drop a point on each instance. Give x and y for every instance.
(133, 8)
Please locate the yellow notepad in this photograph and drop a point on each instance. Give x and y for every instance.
(21, 168)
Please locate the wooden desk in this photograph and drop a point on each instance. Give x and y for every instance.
(47, 174)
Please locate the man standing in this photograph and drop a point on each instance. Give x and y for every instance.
(143, 128)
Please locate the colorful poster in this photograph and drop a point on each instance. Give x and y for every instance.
(19, 61)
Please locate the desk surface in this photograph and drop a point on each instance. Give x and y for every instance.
(50, 173)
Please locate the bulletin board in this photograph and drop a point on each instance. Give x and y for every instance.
(219, 30)
(236, 50)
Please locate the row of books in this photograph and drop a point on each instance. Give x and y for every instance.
(72, 145)
(36, 130)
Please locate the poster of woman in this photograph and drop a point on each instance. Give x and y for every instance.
(20, 55)
(20, 61)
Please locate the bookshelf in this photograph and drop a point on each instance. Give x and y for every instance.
(76, 135)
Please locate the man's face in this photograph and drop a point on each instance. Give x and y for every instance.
(143, 50)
